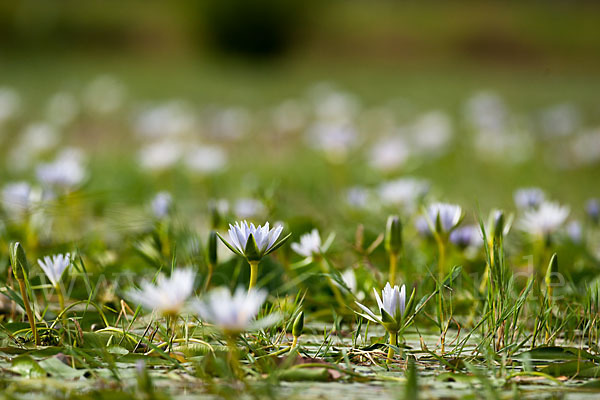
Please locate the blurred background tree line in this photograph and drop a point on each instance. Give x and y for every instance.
(515, 32)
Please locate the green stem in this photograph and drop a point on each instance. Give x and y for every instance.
(28, 311)
(232, 355)
(61, 305)
(549, 294)
(442, 257)
(393, 342)
(253, 274)
(294, 344)
(393, 267)
(441, 275)
(208, 277)
(61, 298)
(336, 291)
(171, 329)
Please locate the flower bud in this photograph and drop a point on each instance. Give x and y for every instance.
(298, 325)
(216, 209)
(251, 250)
(393, 234)
(18, 260)
(211, 253)
(552, 271)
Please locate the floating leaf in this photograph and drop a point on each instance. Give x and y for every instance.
(305, 374)
(556, 353)
(28, 367)
(582, 369)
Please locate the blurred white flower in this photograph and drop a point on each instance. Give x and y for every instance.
(508, 147)
(17, 197)
(405, 192)
(349, 278)
(230, 123)
(333, 138)
(575, 231)
(560, 120)
(206, 159)
(528, 198)
(466, 236)
(104, 95)
(289, 116)
(62, 108)
(160, 155)
(389, 153)
(422, 226)
(592, 209)
(358, 197)
(219, 205)
(431, 133)
(444, 216)
(161, 204)
(234, 313)
(54, 266)
(171, 118)
(36, 138)
(247, 208)
(333, 105)
(544, 220)
(168, 295)
(66, 172)
(585, 148)
(485, 111)
(309, 245)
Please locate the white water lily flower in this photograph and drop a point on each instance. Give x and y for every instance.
(54, 266)
(392, 307)
(168, 295)
(253, 242)
(309, 245)
(444, 217)
(528, 198)
(545, 220)
(234, 312)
